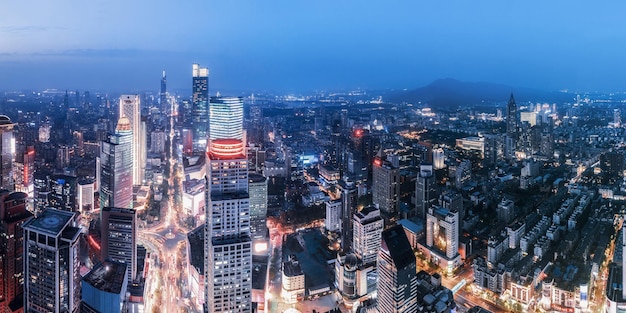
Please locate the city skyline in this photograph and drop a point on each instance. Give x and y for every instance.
(288, 47)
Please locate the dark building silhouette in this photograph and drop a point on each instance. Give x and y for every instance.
(13, 214)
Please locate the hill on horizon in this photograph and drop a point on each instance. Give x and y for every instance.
(451, 93)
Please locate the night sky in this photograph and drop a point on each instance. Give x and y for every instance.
(289, 46)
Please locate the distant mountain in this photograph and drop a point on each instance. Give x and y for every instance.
(451, 93)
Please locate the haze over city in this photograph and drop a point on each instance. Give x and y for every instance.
(292, 46)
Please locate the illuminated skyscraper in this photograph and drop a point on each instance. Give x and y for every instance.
(200, 106)
(116, 167)
(226, 115)
(13, 214)
(163, 93)
(130, 108)
(119, 237)
(51, 266)
(228, 252)
(425, 194)
(258, 206)
(7, 152)
(367, 227)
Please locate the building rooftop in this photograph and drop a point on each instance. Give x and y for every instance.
(50, 221)
(292, 268)
(108, 276)
(395, 241)
(412, 225)
(256, 178)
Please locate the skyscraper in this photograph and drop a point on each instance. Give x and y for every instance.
(226, 117)
(51, 266)
(7, 153)
(116, 167)
(119, 237)
(163, 93)
(200, 106)
(228, 253)
(367, 227)
(425, 195)
(130, 108)
(512, 123)
(349, 197)
(257, 188)
(385, 185)
(397, 278)
(104, 288)
(13, 215)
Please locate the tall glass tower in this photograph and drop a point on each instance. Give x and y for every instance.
(130, 108)
(228, 247)
(7, 153)
(116, 167)
(200, 106)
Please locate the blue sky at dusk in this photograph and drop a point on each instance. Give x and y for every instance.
(305, 45)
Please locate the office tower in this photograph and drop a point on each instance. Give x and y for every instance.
(397, 278)
(367, 227)
(454, 202)
(228, 256)
(41, 190)
(63, 191)
(130, 108)
(349, 198)
(24, 168)
(226, 115)
(385, 186)
(51, 265)
(104, 288)
(333, 215)
(200, 106)
(506, 211)
(439, 159)
(511, 117)
(7, 153)
(425, 194)
(617, 117)
(512, 124)
(257, 188)
(85, 199)
(13, 215)
(442, 231)
(612, 163)
(119, 237)
(116, 167)
(163, 93)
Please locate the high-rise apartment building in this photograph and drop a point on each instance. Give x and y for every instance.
(13, 215)
(51, 265)
(119, 237)
(333, 215)
(7, 153)
(116, 167)
(228, 253)
(200, 106)
(130, 108)
(367, 226)
(385, 185)
(397, 278)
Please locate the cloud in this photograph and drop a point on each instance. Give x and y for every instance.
(27, 29)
